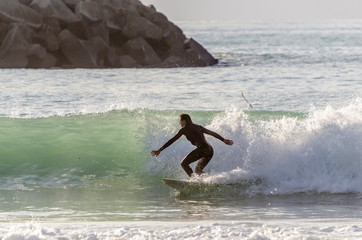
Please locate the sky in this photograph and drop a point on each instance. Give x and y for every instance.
(184, 10)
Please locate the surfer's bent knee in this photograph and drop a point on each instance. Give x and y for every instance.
(183, 163)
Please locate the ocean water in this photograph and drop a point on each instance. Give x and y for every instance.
(74, 144)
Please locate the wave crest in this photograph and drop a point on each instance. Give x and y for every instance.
(319, 152)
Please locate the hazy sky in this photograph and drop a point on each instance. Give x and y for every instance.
(258, 9)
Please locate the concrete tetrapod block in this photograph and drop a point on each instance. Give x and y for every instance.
(97, 48)
(48, 40)
(13, 49)
(54, 8)
(75, 51)
(13, 11)
(90, 11)
(114, 22)
(141, 51)
(126, 61)
(127, 5)
(93, 33)
(36, 54)
(71, 3)
(137, 26)
(202, 53)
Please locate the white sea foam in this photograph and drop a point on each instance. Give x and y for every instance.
(320, 152)
(179, 230)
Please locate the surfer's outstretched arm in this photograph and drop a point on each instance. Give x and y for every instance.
(216, 135)
(167, 144)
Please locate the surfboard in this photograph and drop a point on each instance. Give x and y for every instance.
(182, 185)
(185, 184)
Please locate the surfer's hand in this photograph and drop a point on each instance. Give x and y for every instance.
(155, 153)
(228, 142)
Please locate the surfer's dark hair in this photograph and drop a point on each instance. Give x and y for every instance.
(186, 117)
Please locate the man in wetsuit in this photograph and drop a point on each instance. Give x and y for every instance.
(195, 134)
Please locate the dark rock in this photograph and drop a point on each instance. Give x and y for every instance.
(61, 59)
(25, 2)
(160, 47)
(127, 61)
(14, 61)
(141, 51)
(126, 5)
(174, 37)
(99, 29)
(36, 54)
(93, 33)
(54, 8)
(117, 40)
(47, 35)
(152, 7)
(97, 48)
(48, 40)
(39, 58)
(111, 58)
(51, 24)
(137, 26)
(203, 55)
(90, 11)
(183, 58)
(153, 16)
(114, 60)
(115, 22)
(36, 50)
(79, 29)
(26, 31)
(49, 61)
(170, 32)
(75, 51)
(173, 62)
(71, 3)
(13, 49)
(3, 31)
(13, 11)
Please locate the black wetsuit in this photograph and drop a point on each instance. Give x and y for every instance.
(195, 134)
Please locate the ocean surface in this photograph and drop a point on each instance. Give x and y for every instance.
(74, 144)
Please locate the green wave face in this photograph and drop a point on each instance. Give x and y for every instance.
(91, 144)
(99, 145)
(56, 151)
(96, 144)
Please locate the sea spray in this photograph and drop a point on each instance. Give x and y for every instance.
(320, 151)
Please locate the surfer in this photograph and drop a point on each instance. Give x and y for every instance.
(195, 134)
